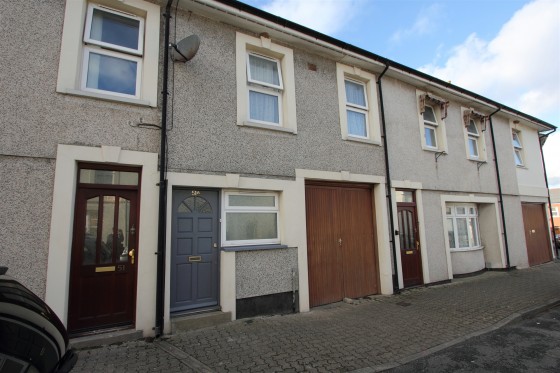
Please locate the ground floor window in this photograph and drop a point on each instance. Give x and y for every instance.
(250, 218)
(462, 226)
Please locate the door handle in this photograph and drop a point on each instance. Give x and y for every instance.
(131, 255)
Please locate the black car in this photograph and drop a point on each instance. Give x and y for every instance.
(32, 337)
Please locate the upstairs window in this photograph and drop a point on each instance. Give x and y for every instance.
(462, 226)
(264, 73)
(432, 111)
(115, 30)
(357, 102)
(430, 127)
(517, 148)
(473, 136)
(264, 76)
(113, 51)
(474, 125)
(555, 212)
(356, 108)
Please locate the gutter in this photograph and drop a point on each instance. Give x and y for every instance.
(542, 139)
(260, 17)
(504, 230)
(162, 223)
(389, 192)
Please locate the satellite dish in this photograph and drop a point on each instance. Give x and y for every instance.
(186, 49)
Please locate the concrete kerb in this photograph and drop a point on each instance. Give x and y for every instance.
(524, 314)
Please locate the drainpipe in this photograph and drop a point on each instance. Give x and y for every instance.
(160, 290)
(389, 195)
(542, 140)
(499, 187)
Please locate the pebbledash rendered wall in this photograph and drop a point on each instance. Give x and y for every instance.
(454, 178)
(207, 143)
(43, 134)
(34, 120)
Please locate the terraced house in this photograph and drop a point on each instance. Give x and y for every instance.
(293, 169)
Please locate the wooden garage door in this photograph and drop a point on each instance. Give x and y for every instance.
(341, 250)
(536, 234)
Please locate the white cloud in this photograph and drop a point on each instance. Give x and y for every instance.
(520, 67)
(424, 24)
(326, 16)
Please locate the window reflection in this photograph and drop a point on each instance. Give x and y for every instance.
(108, 177)
(123, 231)
(90, 237)
(107, 230)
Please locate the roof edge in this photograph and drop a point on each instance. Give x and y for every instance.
(242, 7)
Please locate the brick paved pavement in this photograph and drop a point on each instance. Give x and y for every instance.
(368, 335)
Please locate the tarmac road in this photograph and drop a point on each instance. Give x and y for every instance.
(531, 345)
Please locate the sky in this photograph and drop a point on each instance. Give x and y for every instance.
(505, 50)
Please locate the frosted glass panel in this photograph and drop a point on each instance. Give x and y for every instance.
(251, 201)
(251, 226)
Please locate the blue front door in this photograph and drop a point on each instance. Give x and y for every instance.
(194, 250)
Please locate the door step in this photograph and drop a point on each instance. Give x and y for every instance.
(199, 320)
(105, 338)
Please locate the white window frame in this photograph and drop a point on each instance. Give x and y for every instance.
(468, 215)
(517, 149)
(473, 137)
(249, 209)
(475, 117)
(555, 213)
(258, 82)
(138, 60)
(368, 81)
(438, 126)
(358, 108)
(432, 126)
(74, 42)
(266, 88)
(264, 48)
(89, 40)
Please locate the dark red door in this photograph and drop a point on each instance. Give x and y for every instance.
(411, 260)
(341, 247)
(104, 258)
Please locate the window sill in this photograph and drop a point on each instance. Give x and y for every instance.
(434, 150)
(475, 160)
(466, 249)
(270, 127)
(363, 141)
(101, 96)
(254, 248)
